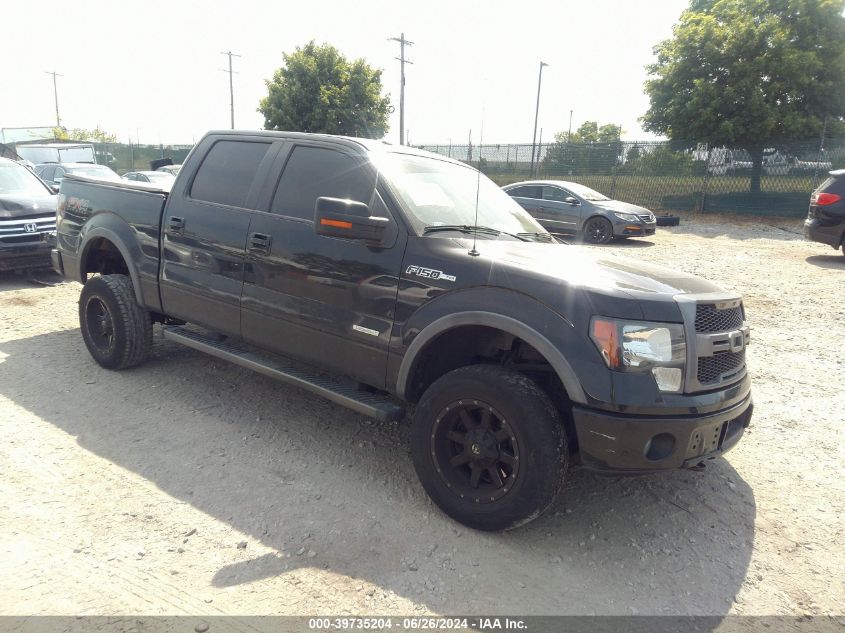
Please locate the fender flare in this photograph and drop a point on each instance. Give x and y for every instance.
(114, 239)
(491, 319)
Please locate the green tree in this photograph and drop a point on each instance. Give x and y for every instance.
(591, 149)
(744, 72)
(96, 135)
(319, 90)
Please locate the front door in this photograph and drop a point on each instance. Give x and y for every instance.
(324, 300)
(204, 232)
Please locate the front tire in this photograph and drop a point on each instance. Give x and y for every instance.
(489, 447)
(598, 230)
(117, 331)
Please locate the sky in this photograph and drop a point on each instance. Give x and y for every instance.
(151, 71)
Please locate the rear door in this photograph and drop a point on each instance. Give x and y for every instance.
(529, 197)
(204, 231)
(324, 300)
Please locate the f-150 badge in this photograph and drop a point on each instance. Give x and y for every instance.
(429, 273)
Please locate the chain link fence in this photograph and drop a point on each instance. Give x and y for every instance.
(123, 157)
(669, 175)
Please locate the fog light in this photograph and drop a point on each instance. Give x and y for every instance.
(659, 447)
(668, 378)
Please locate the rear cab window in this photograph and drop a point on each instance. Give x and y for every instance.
(226, 174)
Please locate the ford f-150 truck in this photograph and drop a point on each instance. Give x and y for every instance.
(395, 281)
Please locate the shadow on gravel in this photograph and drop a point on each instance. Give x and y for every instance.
(28, 279)
(835, 262)
(328, 489)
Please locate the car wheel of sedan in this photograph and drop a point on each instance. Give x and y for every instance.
(598, 230)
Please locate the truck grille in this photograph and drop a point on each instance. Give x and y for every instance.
(720, 367)
(708, 318)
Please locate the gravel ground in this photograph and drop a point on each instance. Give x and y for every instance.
(190, 486)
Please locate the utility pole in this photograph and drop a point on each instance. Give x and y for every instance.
(56, 95)
(402, 44)
(231, 87)
(536, 116)
(569, 133)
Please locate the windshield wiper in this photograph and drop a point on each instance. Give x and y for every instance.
(469, 228)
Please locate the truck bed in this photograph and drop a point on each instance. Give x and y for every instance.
(94, 203)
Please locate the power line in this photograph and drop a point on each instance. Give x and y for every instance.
(55, 95)
(231, 87)
(402, 43)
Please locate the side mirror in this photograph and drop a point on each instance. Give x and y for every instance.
(55, 187)
(334, 217)
(571, 200)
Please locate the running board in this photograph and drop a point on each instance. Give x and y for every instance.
(345, 393)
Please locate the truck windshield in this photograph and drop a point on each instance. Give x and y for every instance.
(17, 180)
(438, 192)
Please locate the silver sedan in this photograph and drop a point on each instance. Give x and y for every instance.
(573, 209)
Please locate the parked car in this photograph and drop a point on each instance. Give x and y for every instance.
(27, 215)
(517, 356)
(53, 173)
(170, 169)
(569, 208)
(156, 178)
(825, 221)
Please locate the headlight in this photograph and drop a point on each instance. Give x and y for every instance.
(639, 346)
(628, 217)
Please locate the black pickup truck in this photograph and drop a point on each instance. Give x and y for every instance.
(391, 280)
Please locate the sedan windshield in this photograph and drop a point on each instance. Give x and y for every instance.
(585, 192)
(95, 171)
(438, 193)
(18, 180)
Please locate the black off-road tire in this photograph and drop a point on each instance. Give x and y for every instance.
(117, 331)
(598, 230)
(527, 431)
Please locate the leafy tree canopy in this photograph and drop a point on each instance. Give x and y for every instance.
(96, 135)
(319, 90)
(744, 72)
(590, 132)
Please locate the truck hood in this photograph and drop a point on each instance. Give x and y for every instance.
(599, 272)
(16, 206)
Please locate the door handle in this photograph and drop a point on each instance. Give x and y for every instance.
(176, 225)
(259, 243)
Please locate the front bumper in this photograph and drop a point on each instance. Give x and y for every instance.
(624, 443)
(25, 256)
(622, 228)
(825, 231)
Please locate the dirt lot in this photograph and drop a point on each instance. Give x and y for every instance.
(189, 485)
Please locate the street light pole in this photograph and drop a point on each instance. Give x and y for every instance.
(536, 116)
(569, 133)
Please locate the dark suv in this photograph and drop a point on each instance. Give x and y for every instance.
(825, 221)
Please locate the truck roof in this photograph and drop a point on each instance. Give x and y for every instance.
(369, 144)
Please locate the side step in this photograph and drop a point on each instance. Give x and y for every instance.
(345, 393)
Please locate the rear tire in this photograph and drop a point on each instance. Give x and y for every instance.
(117, 331)
(489, 447)
(598, 230)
